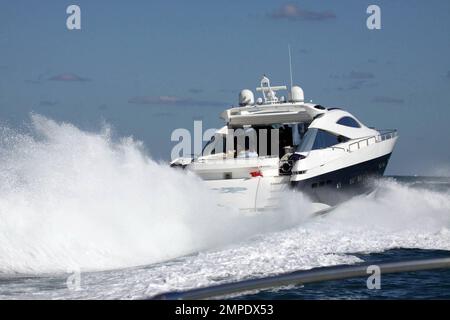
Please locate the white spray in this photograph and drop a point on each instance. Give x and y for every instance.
(74, 199)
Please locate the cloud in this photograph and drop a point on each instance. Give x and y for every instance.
(33, 81)
(40, 78)
(158, 100)
(354, 75)
(291, 11)
(356, 80)
(448, 74)
(195, 90)
(47, 103)
(162, 114)
(390, 100)
(354, 85)
(360, 75)
(229, 91)
(68, 77)
(172, 100)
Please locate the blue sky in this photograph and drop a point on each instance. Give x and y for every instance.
(148, 67)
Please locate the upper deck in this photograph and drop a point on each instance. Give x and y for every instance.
(271, 109)
(279, 113)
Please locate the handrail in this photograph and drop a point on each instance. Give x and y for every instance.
(304, 277)
(383, 136)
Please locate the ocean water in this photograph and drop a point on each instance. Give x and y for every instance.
(87, 215)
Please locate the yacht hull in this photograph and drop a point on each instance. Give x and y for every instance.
(340, 185)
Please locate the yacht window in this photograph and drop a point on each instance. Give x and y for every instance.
(319, 139)
(297, 131)
(348, 122)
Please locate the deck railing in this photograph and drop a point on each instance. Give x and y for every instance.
(364, 142)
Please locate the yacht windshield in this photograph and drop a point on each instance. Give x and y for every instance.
(319, 139)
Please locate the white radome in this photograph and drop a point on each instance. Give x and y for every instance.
(296, 94)
(246, 98)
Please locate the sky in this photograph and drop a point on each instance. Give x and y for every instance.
(149, 67)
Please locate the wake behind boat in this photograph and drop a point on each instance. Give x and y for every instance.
(274, 145)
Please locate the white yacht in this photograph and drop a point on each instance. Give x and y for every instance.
(273, 145)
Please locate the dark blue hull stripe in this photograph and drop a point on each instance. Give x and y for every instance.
(337, 186)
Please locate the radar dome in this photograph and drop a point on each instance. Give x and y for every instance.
(297, 94)
(246, 98)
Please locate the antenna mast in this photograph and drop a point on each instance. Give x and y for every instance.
(290, 63)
